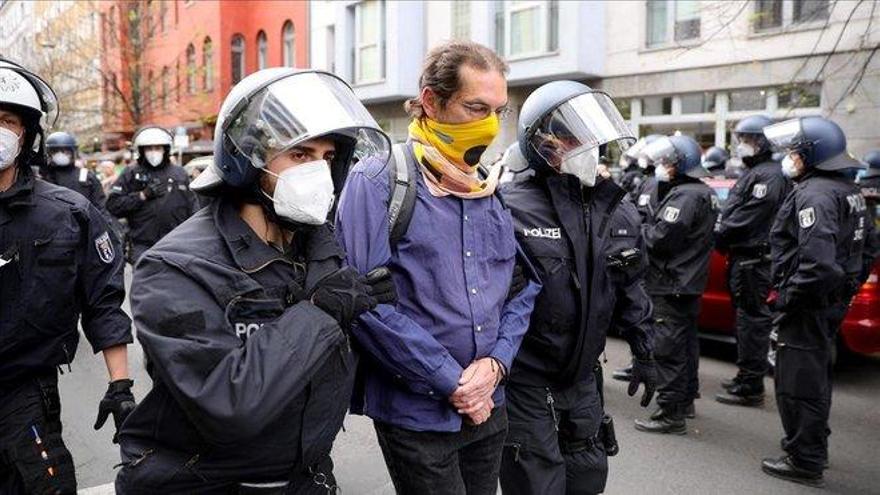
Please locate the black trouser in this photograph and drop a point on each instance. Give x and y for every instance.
(454, 463)
(553, 445)
(676, 350)
(749, 280)
(803, 382)
(153, 470)
(33, 458)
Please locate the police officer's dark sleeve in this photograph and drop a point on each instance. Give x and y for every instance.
(871, 250)
(123, 200)
(100, 284)
(96, 194)
(230, 390)
(756, 199)
(632, 312)
(668, 233)
(817, 274)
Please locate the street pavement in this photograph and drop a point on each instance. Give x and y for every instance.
(720, 454)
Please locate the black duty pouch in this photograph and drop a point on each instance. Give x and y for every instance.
(608, 437)
(44, 463)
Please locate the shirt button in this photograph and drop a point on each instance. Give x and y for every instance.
(430, 392)
(479, 328)
(473, 291)
(468, 254)
(465, 218)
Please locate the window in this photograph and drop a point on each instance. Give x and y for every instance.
(624, 106)
(461, 20)
(768, 14)
(262, 48)
(165, 72)
(149, 94)
(330, 45)
(800, 96)
(532, 27)
(191, 69)
(668, 20)
(111, 26)
(809, 11)
(369, 41)
(177, 90)
(288, 48)
(748, 99)
(657, 105)
(238, 61)
(687, 20)
(208, 65)
(698, 103)
(163, 11)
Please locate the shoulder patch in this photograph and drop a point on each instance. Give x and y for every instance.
(671, 214)
(807, 217)
(759, 190)
(643, 199)
(105, 248)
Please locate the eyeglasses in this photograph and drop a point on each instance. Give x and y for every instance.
(483, 111)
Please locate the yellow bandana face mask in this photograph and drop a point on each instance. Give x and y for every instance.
(461, 144)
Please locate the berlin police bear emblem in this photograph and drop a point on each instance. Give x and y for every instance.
(807, 217)
(670, 214)
(105, 248)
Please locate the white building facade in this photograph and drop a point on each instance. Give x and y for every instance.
(694, 66)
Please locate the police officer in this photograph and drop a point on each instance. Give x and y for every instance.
(58, 264)
(244, 310)
(715, 161)
(153, 196)
(61, 148)
(564, 219)
(679, 241)
(743, 233)
(869, 185)
(816, 249)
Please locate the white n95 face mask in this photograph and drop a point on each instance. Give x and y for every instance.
(154, 158)
(745, 150)
(304, 193)
(61, 159)
(9, 148)
(788, 168)
(661, 173)
(583, 165)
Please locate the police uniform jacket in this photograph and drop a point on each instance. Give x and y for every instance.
(565, 231)
(679, 238)
(81, 180)
(149, 220)
(250, 378)
(744, 225)
(59, 262)
(817, 242)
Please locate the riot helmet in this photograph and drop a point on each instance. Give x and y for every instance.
(561, 126)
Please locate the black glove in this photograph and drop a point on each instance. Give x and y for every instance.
(344, 295)
(644, 370)
(382, 286)
(119, 401)
(518, 282)
(155, 190)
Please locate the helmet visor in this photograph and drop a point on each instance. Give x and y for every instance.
(661, 152)
(784, 135)
(298, 108)
(578, 125)
(47, 95)
(635, 150)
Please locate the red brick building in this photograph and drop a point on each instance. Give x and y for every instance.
(188, 55)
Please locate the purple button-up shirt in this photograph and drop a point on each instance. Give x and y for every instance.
(452, 270)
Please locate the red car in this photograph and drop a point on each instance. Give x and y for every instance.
(859, 333)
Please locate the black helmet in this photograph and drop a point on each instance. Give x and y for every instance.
(751, 130)
(819, 141)
(715, 159)
(61, 143)
(279, 108)
(872, 159)
(563, 119)
(682, 152)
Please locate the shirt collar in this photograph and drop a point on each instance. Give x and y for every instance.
(248, 251)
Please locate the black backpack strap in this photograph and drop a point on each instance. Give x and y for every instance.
(402, 177)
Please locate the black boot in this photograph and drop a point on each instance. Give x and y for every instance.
(746, 393)
(669, 421)
(786, 468)
(623, 374)
(730, 382)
